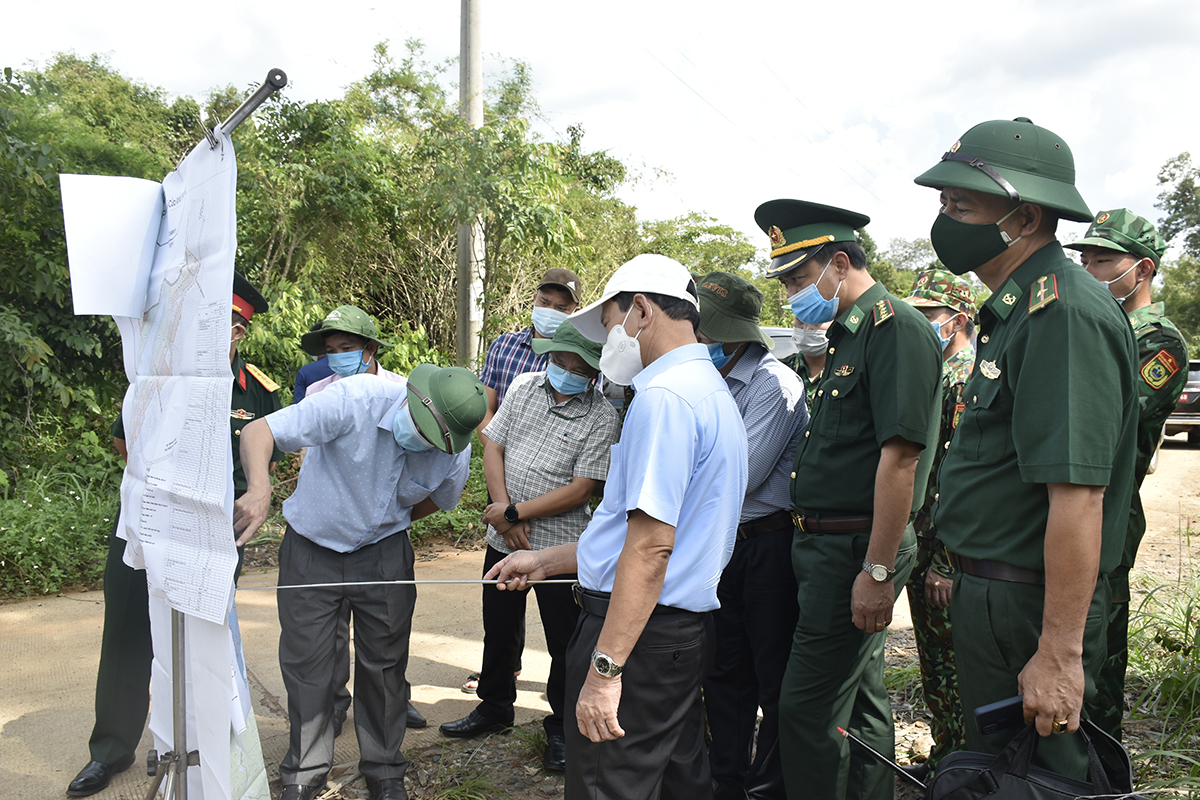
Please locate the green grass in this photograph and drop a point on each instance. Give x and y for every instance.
(461, 523)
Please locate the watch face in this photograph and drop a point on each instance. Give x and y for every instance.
(603, 664)
(879, 572)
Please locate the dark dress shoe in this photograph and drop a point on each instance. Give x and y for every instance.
(555, 759)
(414, 718)
(473, 724)
(297, 791)
(95, 776)
(339, 719)
(388, 789)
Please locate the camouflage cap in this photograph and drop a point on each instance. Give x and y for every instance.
(346, 319)
(1126, 232)
(938, 287)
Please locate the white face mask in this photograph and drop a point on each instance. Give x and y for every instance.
(810, 342)
(1136, 283)
(621, 358)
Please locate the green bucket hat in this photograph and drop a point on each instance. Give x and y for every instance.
(799, 229)
(1016, 159)
(347, 319)
(730, 308)
(1126, 232)
(934, 288)
(447, 403)
(568, 339)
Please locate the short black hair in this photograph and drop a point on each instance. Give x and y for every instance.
(969, 329)
(853, 251)
(238, 319)
(674, 307)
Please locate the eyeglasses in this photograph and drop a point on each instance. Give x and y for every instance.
(425, 401)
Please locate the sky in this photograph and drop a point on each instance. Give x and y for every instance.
(720, 106)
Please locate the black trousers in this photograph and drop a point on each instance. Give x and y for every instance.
(504, 640)
(662, 752)
(308, 654)
(754, 628)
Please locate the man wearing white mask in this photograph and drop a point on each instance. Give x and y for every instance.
(812, 345)
(650, 560)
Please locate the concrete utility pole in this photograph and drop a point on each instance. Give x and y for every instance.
(471, 264)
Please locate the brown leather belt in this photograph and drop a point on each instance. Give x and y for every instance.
(832, 524)
(596, 603)
(997, 570)
(768, 524)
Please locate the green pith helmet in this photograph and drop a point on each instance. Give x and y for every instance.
(446, 403)
(730, 308)
(568, 339)
(347, 319)
(799, 229)
(247, 301)
(1016, 159)
(1126, 232)
(934, 288)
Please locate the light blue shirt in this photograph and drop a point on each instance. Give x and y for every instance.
(357, 486)
(682, 460)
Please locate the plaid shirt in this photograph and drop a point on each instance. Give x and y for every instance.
(509, 356)
(543, 452)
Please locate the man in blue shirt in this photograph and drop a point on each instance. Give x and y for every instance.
(381, 454)
(650, 560)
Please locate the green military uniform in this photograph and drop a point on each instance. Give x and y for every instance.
(798, 365)
(931, 625)
(880, 381)
(126, 650)
(1162, 374)
(1051, 400)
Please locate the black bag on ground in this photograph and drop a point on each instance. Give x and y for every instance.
(1012, 776)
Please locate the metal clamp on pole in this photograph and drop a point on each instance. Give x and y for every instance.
(276, 80)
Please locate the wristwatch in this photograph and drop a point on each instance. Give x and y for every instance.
(878, 572)
(605, 665)
(510, 513)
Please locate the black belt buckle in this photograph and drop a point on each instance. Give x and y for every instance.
(577, 593)
(742, 535)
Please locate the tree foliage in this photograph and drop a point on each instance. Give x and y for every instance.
(1180, 202)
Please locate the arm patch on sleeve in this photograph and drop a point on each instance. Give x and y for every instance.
(1161, 367)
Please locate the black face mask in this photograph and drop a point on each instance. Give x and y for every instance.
(963, 247)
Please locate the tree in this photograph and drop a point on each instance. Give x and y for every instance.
(1180, 200)
(699, 242)
(1181, 293)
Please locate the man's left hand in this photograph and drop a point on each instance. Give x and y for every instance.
(871, 603)
(596, 711)
(1053, 689)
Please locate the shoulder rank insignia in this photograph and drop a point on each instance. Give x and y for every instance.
(1159, 369)
(1044, 292)
(883, 311)
(261, 377)
(843, 370)
(989, 370)
(241, 413)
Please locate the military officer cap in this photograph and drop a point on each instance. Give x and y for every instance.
(246, 299)
(935, 288)
(1126, 232)
(447, 403)
(346, 319)
(730, 307)
(798, 230)
(1018, 160)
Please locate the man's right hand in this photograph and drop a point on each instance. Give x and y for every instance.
(516, 570)
(249, 513)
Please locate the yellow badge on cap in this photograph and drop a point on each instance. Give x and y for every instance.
(776, 236)
(1103, 218)
(954, 147)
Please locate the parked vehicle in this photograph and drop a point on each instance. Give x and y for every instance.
(1186, 416)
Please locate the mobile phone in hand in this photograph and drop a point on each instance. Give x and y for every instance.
(1000, 715)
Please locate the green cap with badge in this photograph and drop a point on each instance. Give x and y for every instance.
(1126, 232)
(446, 403)
(730, 307)
(568, 339)
(935, 288)
(346, 319)
(1014, 159)
(799, 229)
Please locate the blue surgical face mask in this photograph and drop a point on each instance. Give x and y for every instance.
(937, 328)
(566, 382)
(810, 306)
(347, 364)
(716, 351)
(547, 320)
(404, 430)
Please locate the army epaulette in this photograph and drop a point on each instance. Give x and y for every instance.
(1043, 293)
(883, 311)
(261, 377)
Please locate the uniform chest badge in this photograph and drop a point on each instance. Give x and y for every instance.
(241, 413)
(843, 370)
(989, 370)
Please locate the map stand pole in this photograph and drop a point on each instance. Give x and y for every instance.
(170, 770)
(276, 80)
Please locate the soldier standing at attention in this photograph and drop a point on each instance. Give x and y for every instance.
(860, 471)
(948, 302)
(1123, 251)
(1035, 487)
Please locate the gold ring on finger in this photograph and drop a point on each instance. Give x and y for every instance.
(1059, 726)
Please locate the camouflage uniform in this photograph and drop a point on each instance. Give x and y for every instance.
(1162, 374)
(798, 365)
(931, 625)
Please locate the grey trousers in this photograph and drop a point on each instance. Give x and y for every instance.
(308, 657)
